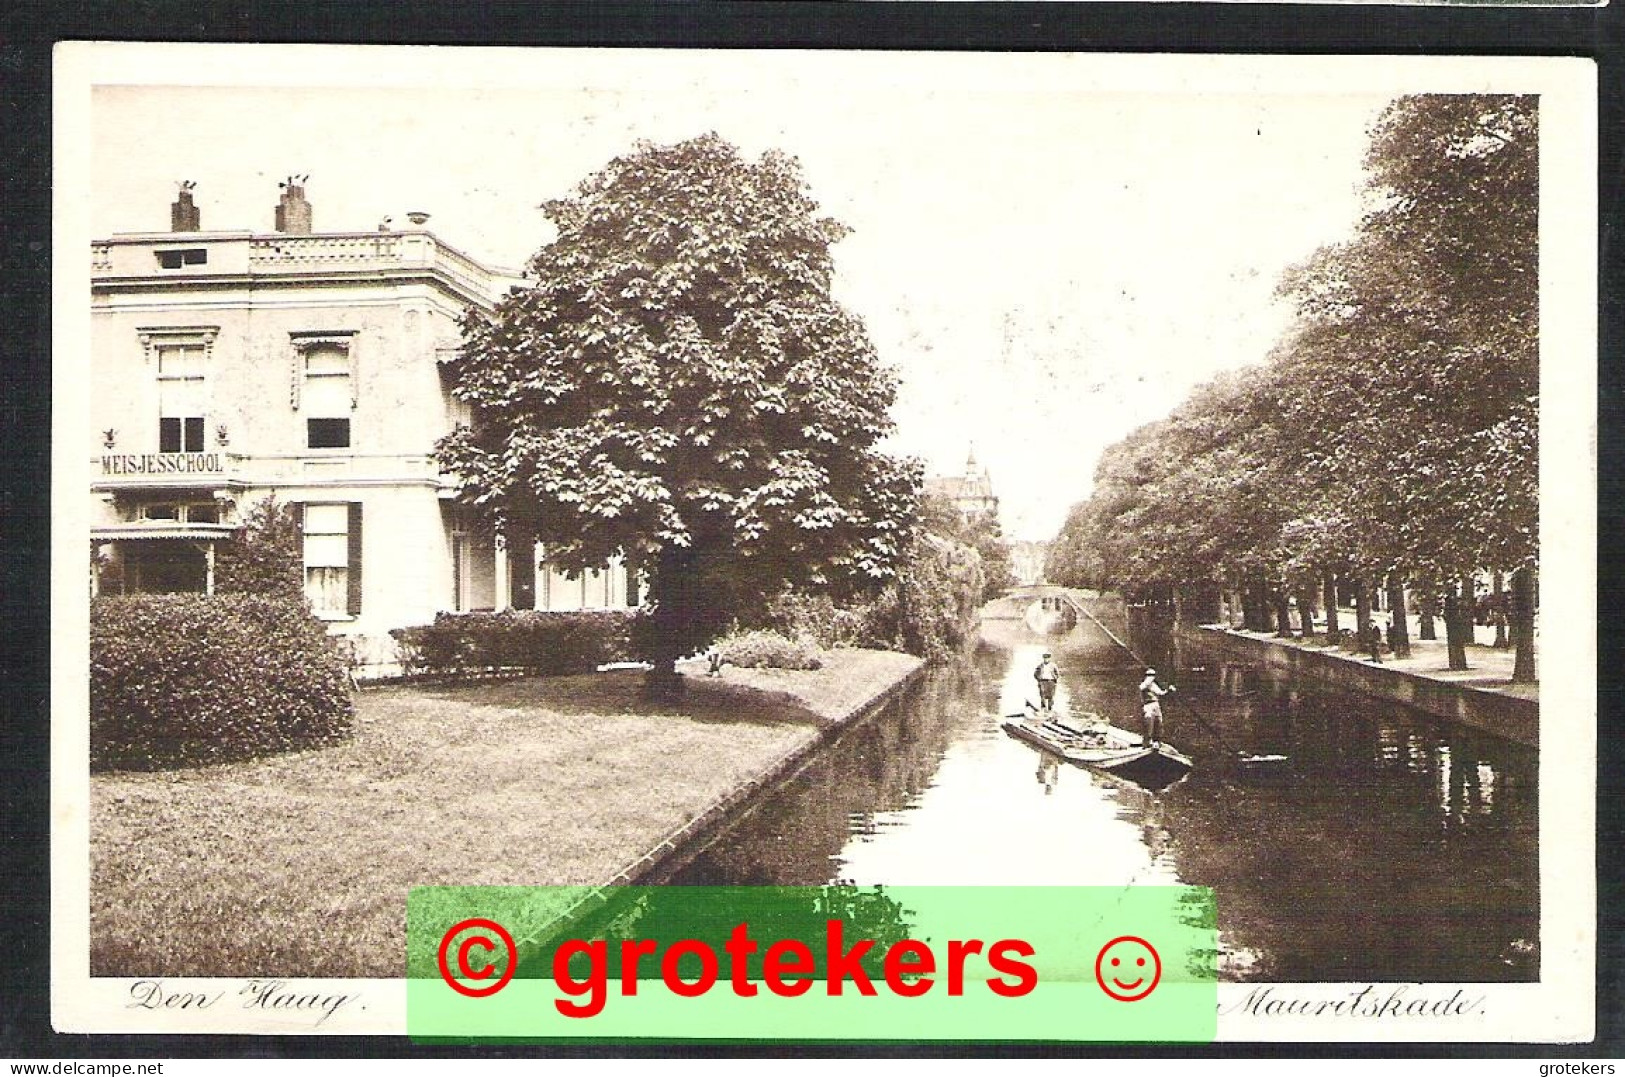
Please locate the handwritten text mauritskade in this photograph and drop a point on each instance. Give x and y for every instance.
(1386, 1001)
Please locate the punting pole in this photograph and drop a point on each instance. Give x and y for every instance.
(1195, 711)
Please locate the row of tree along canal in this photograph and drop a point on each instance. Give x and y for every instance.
(1391, 848)
(1390, 441)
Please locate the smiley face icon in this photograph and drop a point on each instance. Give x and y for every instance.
(1128, 968)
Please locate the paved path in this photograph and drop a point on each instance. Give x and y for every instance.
(1489, 667)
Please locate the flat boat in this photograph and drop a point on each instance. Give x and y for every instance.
(1099, 746)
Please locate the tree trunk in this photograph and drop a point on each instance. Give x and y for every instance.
(1306, 610)
(1498, 608)
(1458, 625)
(1258, 609)
(1400, 640)
(670, 595)
(1362, 613)
(1427, 605)
(1329, 585)
(1179, 608)
(1523, 625)
(1283, 614)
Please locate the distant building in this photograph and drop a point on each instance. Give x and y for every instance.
(227, 367)
(971, 493)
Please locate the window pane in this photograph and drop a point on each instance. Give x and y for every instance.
(194, 435)
(326, 397)
(180, 360)
(169, 435)
(327, 589)
(206, 513)
(327, 519)
(326, 551)
(179, 397)
(327, 433)
(327, 360)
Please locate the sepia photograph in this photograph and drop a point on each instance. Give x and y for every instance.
(587, 468)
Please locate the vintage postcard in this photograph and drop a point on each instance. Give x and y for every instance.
(1058, 487)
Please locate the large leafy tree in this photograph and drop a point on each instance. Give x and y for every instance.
(680, 388)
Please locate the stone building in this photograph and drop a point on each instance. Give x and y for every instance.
(971, 493)
(228, 367)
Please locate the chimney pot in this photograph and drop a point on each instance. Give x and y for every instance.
(293, 215)
(184, 215)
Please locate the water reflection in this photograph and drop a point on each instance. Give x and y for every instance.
(1390, 848)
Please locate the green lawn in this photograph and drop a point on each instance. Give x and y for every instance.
(299, 865)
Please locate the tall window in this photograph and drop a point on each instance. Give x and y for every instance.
(180, 397)
(326, 398)
(333, 558)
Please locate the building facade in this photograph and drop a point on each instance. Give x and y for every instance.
(229, 367)
(971, 493)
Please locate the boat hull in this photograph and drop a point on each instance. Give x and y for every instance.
(1104, 749)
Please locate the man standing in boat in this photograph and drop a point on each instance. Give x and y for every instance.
(1047, 676)
(1151, 694)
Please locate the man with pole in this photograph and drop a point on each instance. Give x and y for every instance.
(1151, 694)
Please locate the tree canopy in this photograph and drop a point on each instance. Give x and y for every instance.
(1393, 431)
(681, 388)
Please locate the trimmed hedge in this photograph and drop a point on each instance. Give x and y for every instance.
(769, 650)
(190, 679)
(532, 641)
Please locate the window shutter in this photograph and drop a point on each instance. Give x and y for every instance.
(353, 602)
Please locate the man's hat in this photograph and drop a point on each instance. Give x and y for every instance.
(1150, 672)
(1046, 654)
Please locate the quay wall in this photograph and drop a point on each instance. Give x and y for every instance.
(682, 845)
(1511, 717)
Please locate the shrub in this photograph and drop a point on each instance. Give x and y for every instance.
(534, 641)
(265, 557)
(931, 609)
(759, 648)
(188, 679)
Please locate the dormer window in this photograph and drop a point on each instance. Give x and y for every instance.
(191, 256)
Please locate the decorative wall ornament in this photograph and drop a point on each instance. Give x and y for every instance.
(154, 337)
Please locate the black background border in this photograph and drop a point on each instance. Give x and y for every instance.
(29, 29)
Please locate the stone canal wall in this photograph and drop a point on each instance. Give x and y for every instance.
(867, 691)
(1508, 716)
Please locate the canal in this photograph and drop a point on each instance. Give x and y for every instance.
(1391, 847)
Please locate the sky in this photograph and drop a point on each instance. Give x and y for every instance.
(1048, 262)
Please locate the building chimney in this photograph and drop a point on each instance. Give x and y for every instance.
(183, 212)
(293, 212)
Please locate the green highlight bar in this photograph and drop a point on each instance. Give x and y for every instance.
(842, 963)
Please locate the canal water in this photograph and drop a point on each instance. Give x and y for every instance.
(1391, 847)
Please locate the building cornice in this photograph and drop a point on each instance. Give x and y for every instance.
(244, 260)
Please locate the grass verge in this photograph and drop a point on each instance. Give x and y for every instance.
(299, 865)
